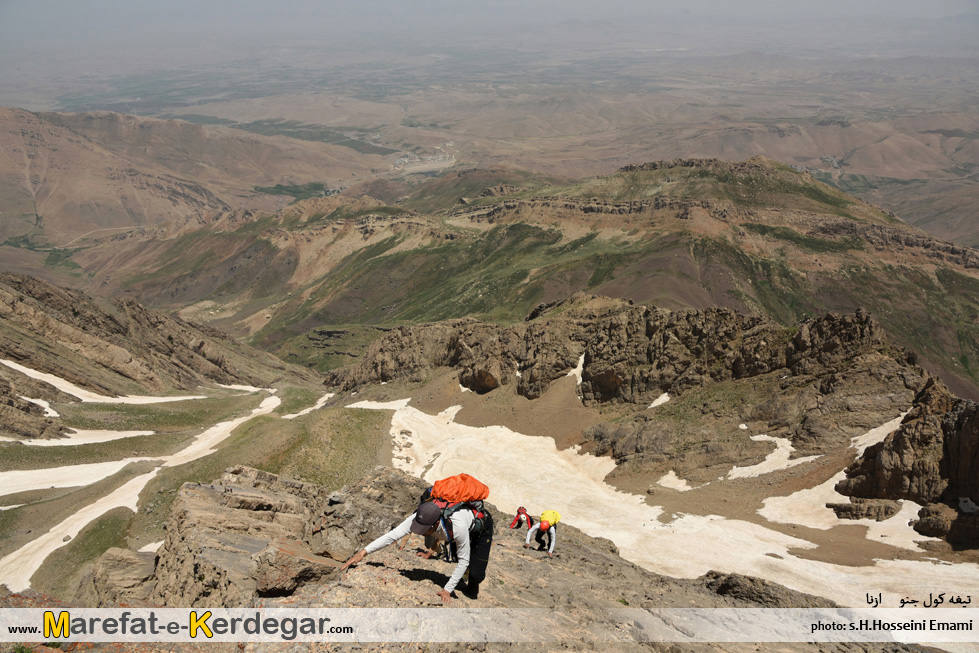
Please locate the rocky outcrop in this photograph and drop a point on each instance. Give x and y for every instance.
(678, 207)
(352, 517)
(631, 354)
(532, 354)
(749, 167)
(956, 526)
(642, 353)
(229, 542)
(876, 509)
(889, 239)
(932, 459)
(286, 564)
(252, 535)
(120, 577)
(829, 378)
(759, 592)
(23, 418)
(499, 190)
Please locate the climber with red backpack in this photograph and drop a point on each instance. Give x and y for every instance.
(451, 511)
(522, 518)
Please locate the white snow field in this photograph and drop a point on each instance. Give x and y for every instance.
(86, 395)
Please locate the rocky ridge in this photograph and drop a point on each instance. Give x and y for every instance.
(834, 376)
(253, 536)
(680, 207)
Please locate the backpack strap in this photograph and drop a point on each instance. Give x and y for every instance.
(477, 509)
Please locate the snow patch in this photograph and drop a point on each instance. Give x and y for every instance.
(243, 388)
(86, 395)
(79, 437)
(808, 507)
(305, 411)
(660, 400)
(686, 547)
(25, 480)
(46, 405)
(873, 436)
(576, 372)
(674, 482)
(775, 461)
(17, 568)
(379, 405)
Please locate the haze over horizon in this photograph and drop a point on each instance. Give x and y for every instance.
(55, 24)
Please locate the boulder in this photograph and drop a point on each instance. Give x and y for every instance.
(876, 509)
(120, 577)
(285, 564)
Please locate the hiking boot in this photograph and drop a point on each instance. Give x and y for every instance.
(472, 591)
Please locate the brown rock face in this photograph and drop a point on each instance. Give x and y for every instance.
(132, 344)
(932, 459)
(120, 577)
(285, 565)
(876, 509)
(760, 592)
(351, 518)
(957, 527)
(487, 356)
(631, 354)
(252, 535)
(230, 542)
(24, 418)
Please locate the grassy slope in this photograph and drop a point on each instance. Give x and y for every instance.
(332, 447)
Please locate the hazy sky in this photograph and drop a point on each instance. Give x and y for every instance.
(75, 22)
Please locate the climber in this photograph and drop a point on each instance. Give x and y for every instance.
(465, 523)
(522, 518)
(548, 524)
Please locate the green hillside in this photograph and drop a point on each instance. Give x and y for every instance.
(756, 236)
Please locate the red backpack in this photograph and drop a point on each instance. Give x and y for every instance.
(457, 492)
(461, 487)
